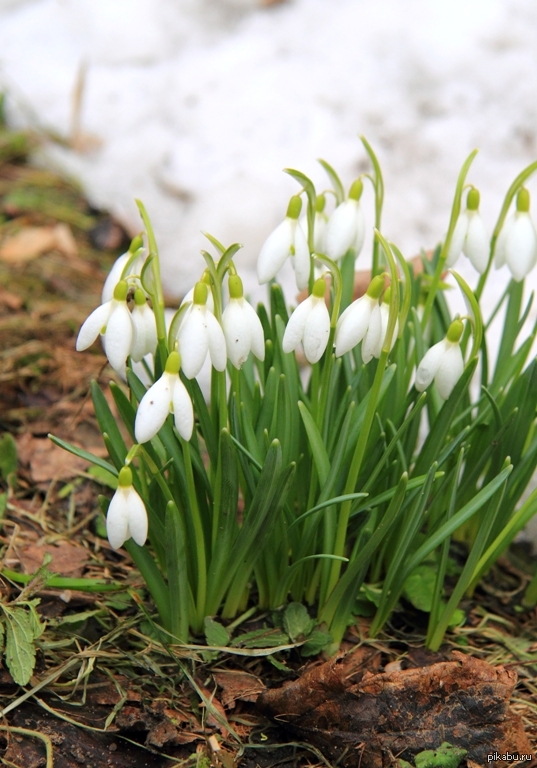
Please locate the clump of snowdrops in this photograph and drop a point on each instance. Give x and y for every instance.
(318, 486)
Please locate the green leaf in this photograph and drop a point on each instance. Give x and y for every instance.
(215, 633)
(445, 756)
(297, 621)
(316, 642)
(8, 455)
(84, 454)
(419, 587)
(336, 181)
(318, 449)
(20, 649)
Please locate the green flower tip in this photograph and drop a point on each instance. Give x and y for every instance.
(523, 200)
(173, 363)
(294, 207)
(200, 293)
(121, 290)
(355, 192)
(472, 201)
(455, 331)
(136, 243)
(319, 288)
(376, 286)
(320, 202)
(206, 277)
(139, 297)
(125, 477)
(235, 287)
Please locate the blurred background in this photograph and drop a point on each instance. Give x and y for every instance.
(195, 106)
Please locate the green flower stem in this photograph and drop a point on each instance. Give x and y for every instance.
(359, 451)
(201, 558)
(329, 356)
(455, 211)
(157, 295)
(378, 185)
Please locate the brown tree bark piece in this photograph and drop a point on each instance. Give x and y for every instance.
(368, 717)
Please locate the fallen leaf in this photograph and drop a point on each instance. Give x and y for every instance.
(30, 242)
(48, 461)
(362, 718)
(68, 558)
(237, 686)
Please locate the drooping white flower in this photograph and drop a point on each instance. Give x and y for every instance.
(320, 222)
(287, 240)
(377, 329)
(346, 226)
(189, 296)
(470, 236)
(242, 327)
(145, 327)
(127, 515)
(309, 324)
(114, 322)
(443, 362)
(200, 333)
(517, 242)
(354, 322)
(118, 267)
(167, 395)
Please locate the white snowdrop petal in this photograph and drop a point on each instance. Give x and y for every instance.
(476, 243)
(154, 408)
(352, 324)
(457, 240)
(119, 335)
(257, 336)
(294, 331)
(92, 326)
(429, 365)
(372, 343)
(114, 276)
(501, 243)
(341, 229)
(360, 229)
(217, 342)
(301, 259)
(183, 412)
(319, 232)
(275, 250)
(145, 332)
(193, 342)
(137, 517)
(521, 247)
(316, 332)
(237, 332)
(450, 370)
(117, 519)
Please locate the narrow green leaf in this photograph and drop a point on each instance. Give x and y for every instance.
(318, 449)
(84, 455)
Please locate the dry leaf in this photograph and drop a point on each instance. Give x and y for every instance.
(31, 242)
(68, 558)
(363, 718)
(238, 685)
(48, 461)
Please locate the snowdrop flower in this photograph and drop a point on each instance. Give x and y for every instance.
(189, 296)
(470, 236)
(114, 322)
(346, 226)
(443, 362)
(145, 328)
(126, 516)
(288, 239)
(167, 395)
(354, 322)
(517, 242)
(242, 327)
(116, 273)
(200, 333)
(377, 328)
(309, 324)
